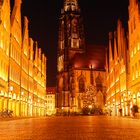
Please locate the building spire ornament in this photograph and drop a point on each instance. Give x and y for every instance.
(71, 5)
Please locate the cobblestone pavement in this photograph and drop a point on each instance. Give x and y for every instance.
(71, 128)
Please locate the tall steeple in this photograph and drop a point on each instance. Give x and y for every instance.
(71, 40)
(71, 5)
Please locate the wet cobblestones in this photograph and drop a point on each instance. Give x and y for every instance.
(71, 128)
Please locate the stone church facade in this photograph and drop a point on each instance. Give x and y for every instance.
(77, 65)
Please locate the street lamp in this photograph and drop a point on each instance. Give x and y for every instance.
(90, 108)
(11, 88)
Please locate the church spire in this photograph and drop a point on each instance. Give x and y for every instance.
(71, 5)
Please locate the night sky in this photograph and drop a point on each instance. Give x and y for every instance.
(100, 17)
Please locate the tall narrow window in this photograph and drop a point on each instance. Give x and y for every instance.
(134, 50)
(138, 46)
(81, 85)
(133, 73)
(139, 68)
(136, 67)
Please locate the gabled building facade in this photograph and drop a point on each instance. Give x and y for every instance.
(117, 69)
(15, 58)
(22, 70)
(134, 50)
(4, 51)
(123, 89)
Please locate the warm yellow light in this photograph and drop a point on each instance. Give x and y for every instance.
(91, 66)
(129, 92)
(11, 88)
(138, 95)
(14, 96)
(22, 93)
(90, 106)
(138, 46)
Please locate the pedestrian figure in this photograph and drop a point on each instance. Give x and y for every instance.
(110, 111)
(134, 110)
(120, 110)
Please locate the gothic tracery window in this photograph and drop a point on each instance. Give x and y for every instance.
(99, 82)
(81, 85)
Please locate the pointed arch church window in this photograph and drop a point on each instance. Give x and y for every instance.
(81, 85)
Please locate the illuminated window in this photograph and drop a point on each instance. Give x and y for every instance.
(138, 46)
(75, 43)
(1, 43)
(0, 68)
(136, 68)
(7, 47)
(134, 50)
(4, 24)
(132, 72)
(62, 45)
(139, 68)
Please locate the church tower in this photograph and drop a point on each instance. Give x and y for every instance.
(70, 42)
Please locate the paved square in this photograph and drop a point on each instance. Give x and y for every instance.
(71, 128)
